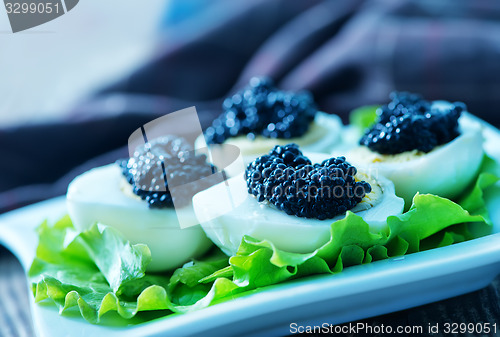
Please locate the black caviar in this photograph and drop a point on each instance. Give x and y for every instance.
(409, 123)
(287, 179)
(164, 162)
(262, 109)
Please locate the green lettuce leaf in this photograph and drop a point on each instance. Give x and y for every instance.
(185, 286)
(118, 261)
(363, 117)
(74, 270)
(473, 198)
(98, 272)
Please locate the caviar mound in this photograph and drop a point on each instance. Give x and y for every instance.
(262, 109)
(163, 163)
(288, 180)
(409, 123)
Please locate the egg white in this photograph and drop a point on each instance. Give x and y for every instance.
(287, 232)
(102, 195)
(445, 171)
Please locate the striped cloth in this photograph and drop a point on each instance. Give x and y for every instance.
(15, 317)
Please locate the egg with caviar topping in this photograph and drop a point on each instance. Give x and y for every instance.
(263, 221)
(323, 133)
(260, 115)
(104, 196)
(445, 171)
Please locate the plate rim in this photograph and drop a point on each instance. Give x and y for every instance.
(483, 251)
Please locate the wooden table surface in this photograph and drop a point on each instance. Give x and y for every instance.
(482, 306)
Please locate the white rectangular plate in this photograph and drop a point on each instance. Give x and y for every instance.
(358, 292)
